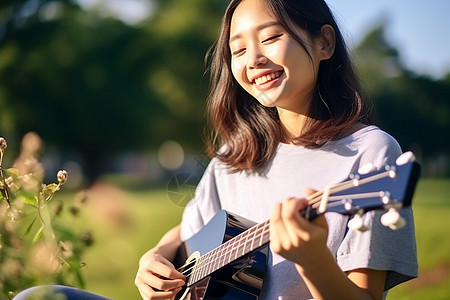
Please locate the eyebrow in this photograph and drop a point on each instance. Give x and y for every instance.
(258, 28)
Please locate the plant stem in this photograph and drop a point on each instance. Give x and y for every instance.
(5, 186)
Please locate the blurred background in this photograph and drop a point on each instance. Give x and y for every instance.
(116, 90)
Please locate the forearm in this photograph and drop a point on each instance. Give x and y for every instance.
(325, 279)
(169, 243)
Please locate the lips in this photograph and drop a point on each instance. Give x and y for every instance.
(267, 77)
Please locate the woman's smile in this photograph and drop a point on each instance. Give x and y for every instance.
(268, 77)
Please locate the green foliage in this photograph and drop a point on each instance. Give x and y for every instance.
(413, 108)
(431, 210)
(101, 79)
(36, 245)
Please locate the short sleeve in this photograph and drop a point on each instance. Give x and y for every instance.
(382, 248)
(203, 206)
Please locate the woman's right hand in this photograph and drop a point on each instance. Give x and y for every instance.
(157, 277)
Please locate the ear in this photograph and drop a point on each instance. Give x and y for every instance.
(326, 42)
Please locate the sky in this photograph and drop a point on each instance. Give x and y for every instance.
(419, 29)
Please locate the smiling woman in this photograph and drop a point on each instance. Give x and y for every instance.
(286, 118)
(286, 113)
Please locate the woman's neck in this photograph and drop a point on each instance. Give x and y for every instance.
(294, 124)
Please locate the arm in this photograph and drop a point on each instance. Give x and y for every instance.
(304, 243)
(157, 277)
(327, 281)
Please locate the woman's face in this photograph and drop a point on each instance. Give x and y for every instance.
(268, 63)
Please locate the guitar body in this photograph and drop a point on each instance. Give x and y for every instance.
(240, 279)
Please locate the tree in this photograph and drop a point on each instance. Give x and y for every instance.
(413, 108)
(96, 86)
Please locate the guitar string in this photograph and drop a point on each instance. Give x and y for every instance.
(317, 196)
(262, 226)
(313, 200)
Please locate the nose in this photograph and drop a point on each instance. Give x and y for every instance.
(256, 58)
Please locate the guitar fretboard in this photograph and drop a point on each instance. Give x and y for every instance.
(240, 245)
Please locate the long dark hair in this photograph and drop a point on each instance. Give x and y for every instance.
(246, 132)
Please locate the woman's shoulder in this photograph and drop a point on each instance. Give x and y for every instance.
(374, 143)
(373, 135)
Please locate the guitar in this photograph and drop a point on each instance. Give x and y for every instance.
(227, 258)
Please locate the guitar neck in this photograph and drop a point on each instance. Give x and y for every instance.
(242, 244)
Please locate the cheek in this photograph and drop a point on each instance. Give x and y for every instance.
(238, 70)
(301, 63)
(274, 52)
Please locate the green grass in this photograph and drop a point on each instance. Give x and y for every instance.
(130, 223)
(431, 205)
(122, 236)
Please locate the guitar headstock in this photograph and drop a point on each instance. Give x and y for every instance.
(390, 188)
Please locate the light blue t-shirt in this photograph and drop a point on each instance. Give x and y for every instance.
(293, 169)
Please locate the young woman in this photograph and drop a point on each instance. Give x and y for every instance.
(287, 115)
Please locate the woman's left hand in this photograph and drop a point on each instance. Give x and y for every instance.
(294, 237)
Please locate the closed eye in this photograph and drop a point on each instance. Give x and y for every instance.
(239, 51)
(272, 38)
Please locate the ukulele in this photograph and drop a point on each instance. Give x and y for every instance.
(227, 258)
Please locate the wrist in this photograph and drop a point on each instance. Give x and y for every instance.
(321, 259)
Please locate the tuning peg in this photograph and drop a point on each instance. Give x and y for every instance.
(392, 219)
(405, 158)
(357, 223)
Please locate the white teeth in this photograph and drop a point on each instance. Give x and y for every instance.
(263, 79)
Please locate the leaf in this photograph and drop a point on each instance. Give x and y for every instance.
(79, 277)
(75, 266)
(29, 227)
(38, 234)
(51, 188)
(48, 191)
(47, 223)
(12, 172)
(27, 198)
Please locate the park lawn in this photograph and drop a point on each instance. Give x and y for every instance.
(122, 237)
(431, 205)
(139, 218)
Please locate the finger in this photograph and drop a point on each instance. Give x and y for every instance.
(160, 283)
(164, 268)
(297, 228)
(321, 221)
(310, 191)
(285, 216)
(277, 231)
(152, 287)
